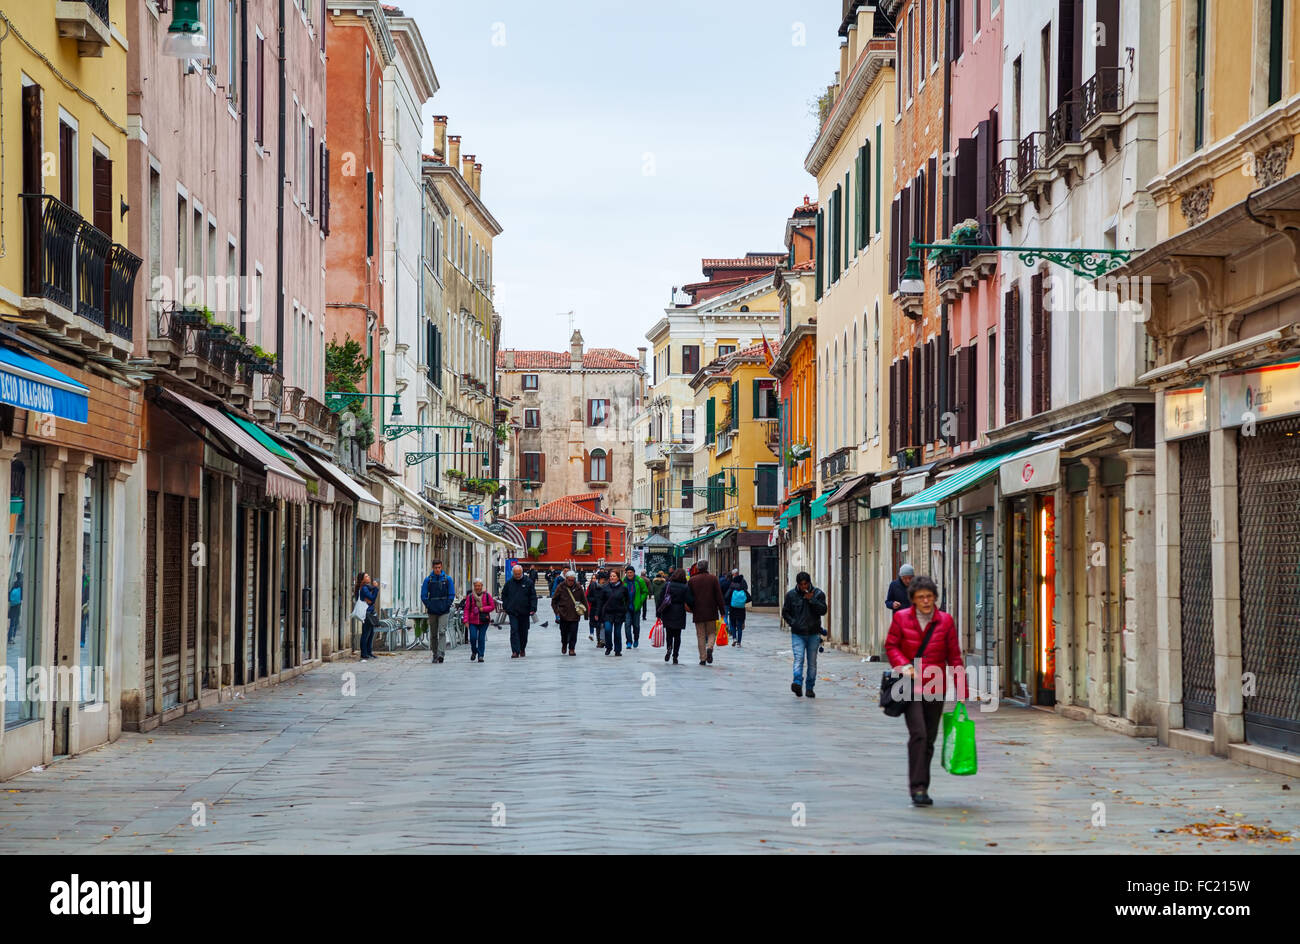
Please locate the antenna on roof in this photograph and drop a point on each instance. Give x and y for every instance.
(569, 315)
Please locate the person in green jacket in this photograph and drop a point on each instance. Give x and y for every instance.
(639, 590)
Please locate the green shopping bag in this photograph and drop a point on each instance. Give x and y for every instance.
(959, 742)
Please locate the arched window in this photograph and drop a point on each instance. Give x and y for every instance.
(599, 467)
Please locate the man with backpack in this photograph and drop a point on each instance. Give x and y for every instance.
(437, 594)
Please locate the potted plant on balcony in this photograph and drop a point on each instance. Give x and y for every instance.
(454, 474)
(185, 315)
(262, 361)
(503, 432)
(218, 331)
(966, 233)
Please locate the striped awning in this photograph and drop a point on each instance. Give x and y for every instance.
(281, 481)
(368, 507)
(920, 510)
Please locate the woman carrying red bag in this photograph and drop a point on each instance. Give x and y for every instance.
(672, 610)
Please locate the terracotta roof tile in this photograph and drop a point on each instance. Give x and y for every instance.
(598, 358)
(756, 261)
(563, 511)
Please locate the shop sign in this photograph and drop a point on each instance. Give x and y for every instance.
(1262, 393)
(1185, 412)
(1027, 472)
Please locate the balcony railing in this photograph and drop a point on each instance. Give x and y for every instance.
(1003, 179)
(1031, 155)
(99, 8)
(1064, 123)
(77, 266)
(292, 400)
(1103, 93)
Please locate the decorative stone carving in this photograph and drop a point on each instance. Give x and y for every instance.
(1196, 202)
(1270, 165)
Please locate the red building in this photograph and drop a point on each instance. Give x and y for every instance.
(572, 531)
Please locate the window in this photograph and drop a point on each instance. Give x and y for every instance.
(155, 226)
(232, 52)
(534, 466)
(1274, 51)
(581, 543)
(975, 8)
(688, 424)
(609, 550)
(598, 467)
(991, 357)
(688, 493)
(532, 419)
(725, 349)
(934, 42)
(597, 412)
(921, 45)
(92, 583)
(690, 358)
(765, 491)
(766, 405)
(24, 626)
(260, 104)
(536, 542)
(530, 381)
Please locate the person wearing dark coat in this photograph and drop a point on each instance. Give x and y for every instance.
(618, 603)
(596, 608)
(657, 589)
(519, 600)
(942, 653)
(671, 609)
(565, 602)
(706, 605)
(803, 610)
(736, 614)
(896, 597)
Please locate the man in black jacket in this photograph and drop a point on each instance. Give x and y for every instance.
(519, 600)
(897, 597)
(803, 610)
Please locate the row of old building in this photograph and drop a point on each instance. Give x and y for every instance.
(246, 350)
(1037, 337)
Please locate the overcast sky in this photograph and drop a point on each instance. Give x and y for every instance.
(622, 142)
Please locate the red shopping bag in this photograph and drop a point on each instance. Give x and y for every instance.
(657, 634)
(722, 632)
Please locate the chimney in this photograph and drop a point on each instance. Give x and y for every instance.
(853, 43)
(467, 168)
(510, 358)
(453, 151)
(846, 65)
(478, 177)
(575, 350)
(641, 356)
(440, 137)
(866, 25)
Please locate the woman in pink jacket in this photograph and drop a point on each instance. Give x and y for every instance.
(943, 650)
(478, 614)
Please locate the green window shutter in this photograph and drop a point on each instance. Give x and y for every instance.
(866, 193)
(756, 399)
(709, 414)
(735, 404)
(848, 200)
(878, 163)
(818, 265)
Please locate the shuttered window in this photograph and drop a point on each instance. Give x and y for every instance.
(710, 421)
(1011, 354)
(818, 260)
(735, 405)
(1041, 342)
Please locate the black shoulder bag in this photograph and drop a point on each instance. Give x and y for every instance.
(894, 706)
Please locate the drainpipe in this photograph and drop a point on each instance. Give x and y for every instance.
(243, 167)
(279, 211)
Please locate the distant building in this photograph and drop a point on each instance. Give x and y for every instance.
(572, 531)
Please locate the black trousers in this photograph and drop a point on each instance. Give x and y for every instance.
(673, 641)
(568, 634)
(737, 624)
(923, 720)
(518, 633)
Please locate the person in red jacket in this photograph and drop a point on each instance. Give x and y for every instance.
(906, 633)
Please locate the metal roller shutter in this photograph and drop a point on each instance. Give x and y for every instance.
(1196, 583)
(172, 563)
(150, 599)
(1268, 522)
(191, 594)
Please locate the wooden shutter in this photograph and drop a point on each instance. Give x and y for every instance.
(818, 265)
(609, 466)
(586, 466)
(982, 168)
(757, 398)
(735, 404)
(541, 467)
(866, 193)
(905, 227)
(1036, 343)
(972, 390)
(932, 183)
(311, 172)
(960, 402)
(1011, 354)
(966, 198)
(370, 213)
(848, 243)
(67, 162)
(710, 420)
(915, 419)
(895, 262)
(893, 408)
(952, 407)
(1045, 348)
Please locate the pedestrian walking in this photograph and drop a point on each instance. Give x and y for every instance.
(569, 604)
(896, 597)
(706, 604)
(437, 594)
(638, 590)
(367, 591)
(596, 608)
(478, 616)
(926, 634)
(802, 611)
(617, 604)
(737, 596)
(519, 600)
(657, 589)
(671, 609)
(645, 605)
(724, 581)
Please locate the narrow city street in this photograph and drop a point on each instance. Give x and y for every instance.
(605, 754)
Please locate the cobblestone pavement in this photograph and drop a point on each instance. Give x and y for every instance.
(569, 755)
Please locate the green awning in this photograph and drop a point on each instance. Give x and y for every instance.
(704, 538)
(261, 436)
(818, 507)
(919, 510)
(792, 512)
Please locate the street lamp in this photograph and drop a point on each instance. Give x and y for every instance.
(186, 37)
(912, 283)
